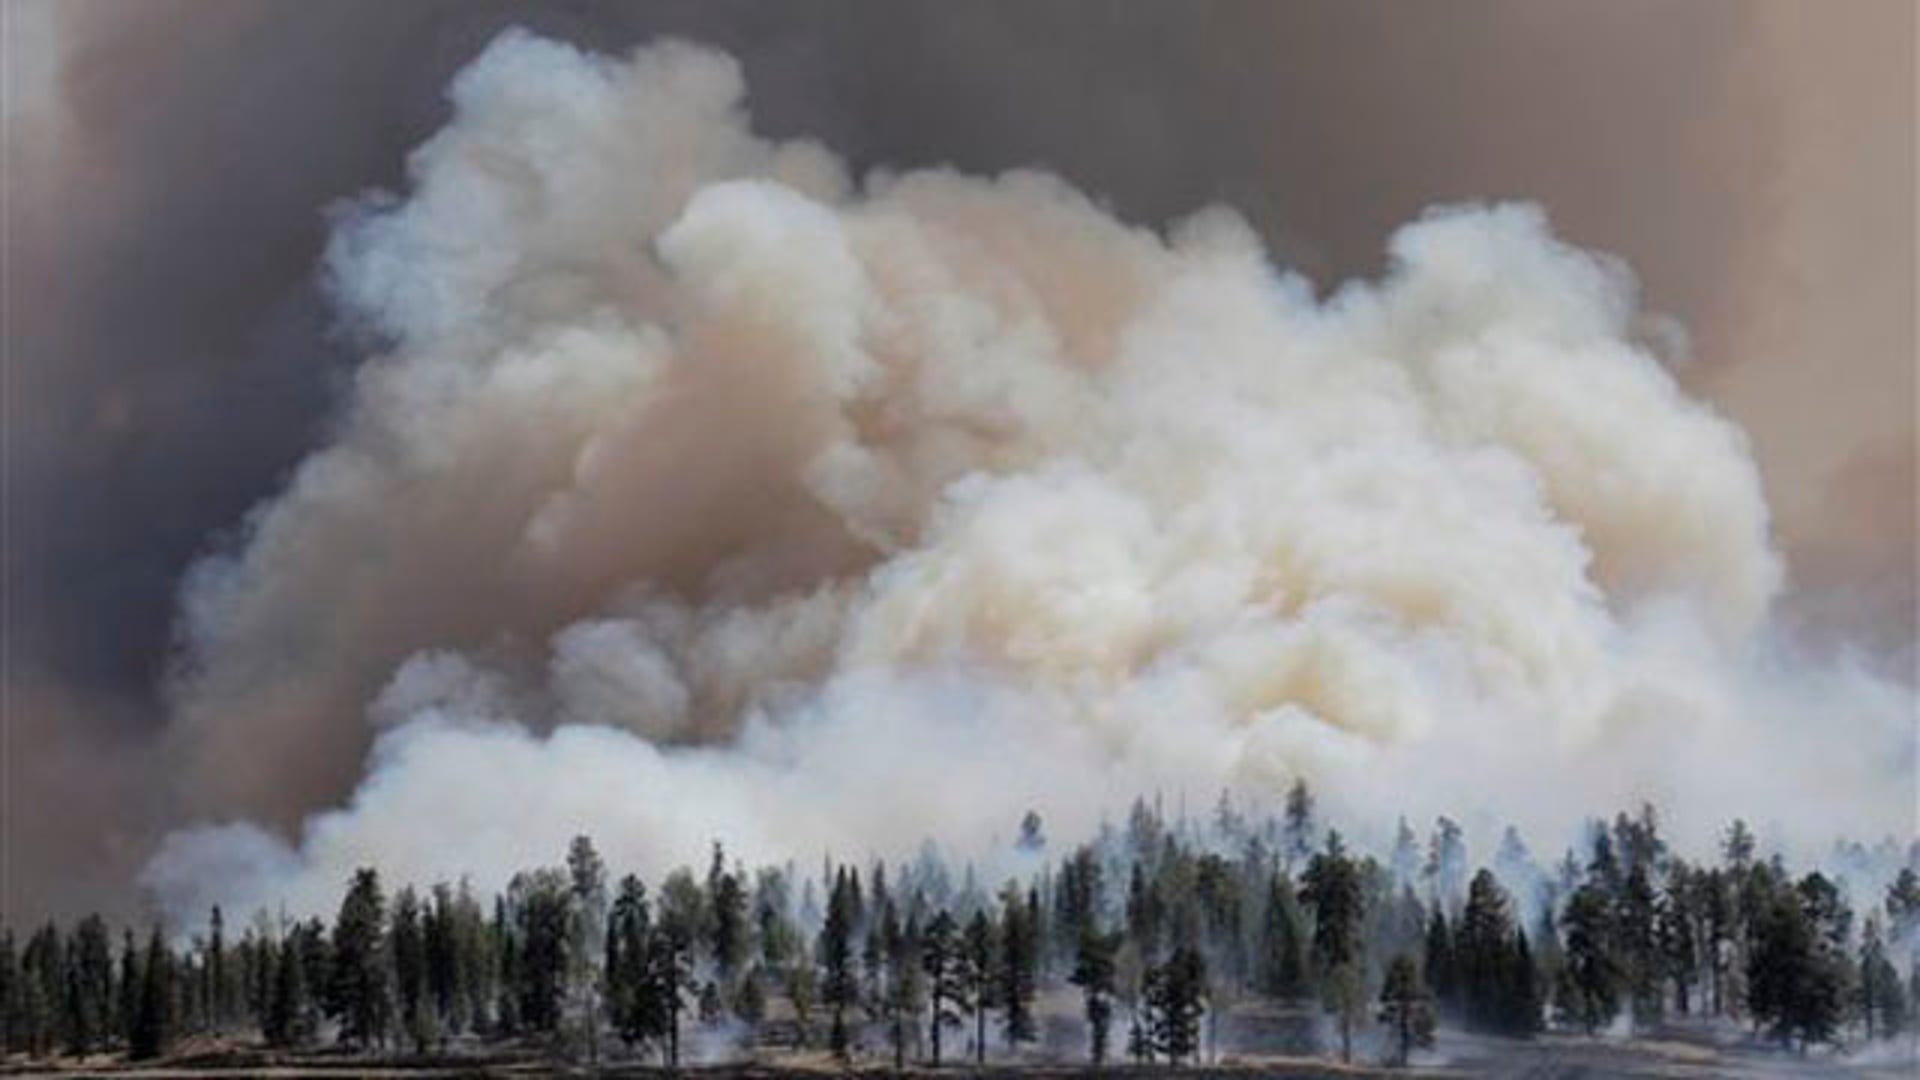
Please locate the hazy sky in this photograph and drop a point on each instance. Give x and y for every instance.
(169, 166)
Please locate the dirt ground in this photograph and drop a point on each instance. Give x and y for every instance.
(1696, 1053)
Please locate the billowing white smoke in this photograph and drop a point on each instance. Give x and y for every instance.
(701, 493)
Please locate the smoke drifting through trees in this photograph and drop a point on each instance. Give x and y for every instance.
(708, 484)
(1184, 934)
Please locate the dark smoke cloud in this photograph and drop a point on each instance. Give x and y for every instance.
(170, 356)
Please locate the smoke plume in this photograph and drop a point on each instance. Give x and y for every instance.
(696, 487)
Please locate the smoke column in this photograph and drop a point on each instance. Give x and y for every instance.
(696, 488)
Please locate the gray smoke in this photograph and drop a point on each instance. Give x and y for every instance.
(167, 164)
(699, 488)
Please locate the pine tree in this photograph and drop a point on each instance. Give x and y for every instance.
(1333, 888)
(586, 935)
(131, 984)
(1297, 833)
(1489, 971)
(727, 896)
(1406, 1007)
(358, 996)
(43, 991)
(1077, 897)
(1442, 966)
(412, 993)
(1792, 989)
(89, 987)
(628, 989)
(904, 986)
(1521, 1003)
(1880, 1001)
(1590, 994)
(1638, 941)
(289, 1010)
(1446, 865)
(1405, 859)
(219, 996)
(1283, 972)
(544, 926)
(446, 991)
(1015, 970)
(1176, 997)
(977, 952)
(153, 1028)
(1094, 971)
(839, 987)
(945, 969)
(670, 972)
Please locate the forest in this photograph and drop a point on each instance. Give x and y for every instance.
(1159, 941)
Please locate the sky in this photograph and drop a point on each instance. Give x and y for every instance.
(171, 169)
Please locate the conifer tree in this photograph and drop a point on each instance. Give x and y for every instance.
(1297, 833)
(727, 896)
(129, 987)
(945, 969)
(1094, 971)
(289, 1009)
(1283, 972)
(359, 995)
(1406, 1008)
(628, 991)
(670, 968)
(1484, 947)
(1880, 1000)
(1333, 888)
(219, 995)
(978, 953)
(904, 986)
(153, 1028)
(89, 987)
(1590, 994)
(839, 988)
(1446, 864)
(1015, 969)
(412, 994)
(1442, 967)
(1176, 997)
(586, 936)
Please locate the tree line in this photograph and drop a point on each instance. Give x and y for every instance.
(1157, 931)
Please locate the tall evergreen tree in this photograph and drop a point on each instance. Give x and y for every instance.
(1442, 966)
(1094, 971)
(1880, 1000)
(1015, 968)
(89, 987)
(130, 986)
(945, 968)
(1333, 887)
(629, 992)
(1176, 997)
(586, 936)
(1406, 1008)
(904, 985)
(977, 953)
(359, 994)
(670, 962)
(219, 991)
(152, 1030)
(412, 992)
(1283, 970)
(1297, 832)
(839, 986)
(1589, 995)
